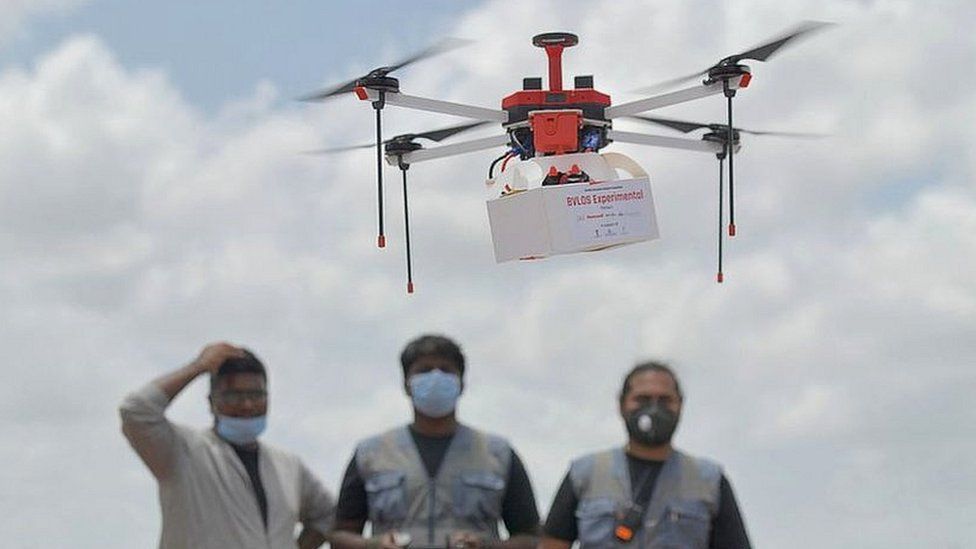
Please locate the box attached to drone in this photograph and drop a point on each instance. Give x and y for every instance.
(572, 217)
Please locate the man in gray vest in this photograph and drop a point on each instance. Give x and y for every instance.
(646, 494)
(219, 487)
(435, 482)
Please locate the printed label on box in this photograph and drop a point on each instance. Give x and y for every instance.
(609, 212)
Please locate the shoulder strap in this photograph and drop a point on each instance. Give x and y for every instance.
(643, 494)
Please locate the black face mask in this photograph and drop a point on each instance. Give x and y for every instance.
(652, 425)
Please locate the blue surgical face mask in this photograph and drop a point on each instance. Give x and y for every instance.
(240, 430)
(435, 393)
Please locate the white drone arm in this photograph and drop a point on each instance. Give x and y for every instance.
(423, 155)
(668, 99)
(443, 107)
(451, 150)
(667, 142)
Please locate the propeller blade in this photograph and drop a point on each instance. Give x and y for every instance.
(759, 53)
(340, 149)
(801, 135)
(444, 133)
(660, 86)
(765, 51)
(686, 127)
(443, 46)
(433, 135)
(330, 92)
(679, 125)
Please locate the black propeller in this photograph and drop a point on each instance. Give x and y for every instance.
(399, 146)
(443, 46)
(719, 133)
(433, 135)
(759, 53)
(724, 71)
(687, 127)
(378, 81)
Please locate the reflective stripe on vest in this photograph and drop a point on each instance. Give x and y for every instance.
(465, 495)
(680, 511)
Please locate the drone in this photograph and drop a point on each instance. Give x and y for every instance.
(556, 135)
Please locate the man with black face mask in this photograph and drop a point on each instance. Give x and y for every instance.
(435, 482)
(647, 494)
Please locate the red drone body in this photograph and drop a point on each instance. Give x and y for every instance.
(558, 118)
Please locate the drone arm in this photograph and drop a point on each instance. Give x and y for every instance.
(435, 105)
(668, 99)
(451, 150)
(667, 142)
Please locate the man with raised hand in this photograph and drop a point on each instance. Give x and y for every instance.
(646, 494)
(219, 487)
(435, 482)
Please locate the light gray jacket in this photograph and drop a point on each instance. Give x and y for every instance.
(205, 493)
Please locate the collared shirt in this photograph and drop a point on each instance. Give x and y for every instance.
(205, 493)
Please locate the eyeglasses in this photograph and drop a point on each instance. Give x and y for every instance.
(236, 398)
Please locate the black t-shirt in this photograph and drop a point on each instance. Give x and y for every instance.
(727, 531)
(249, 457)
(519, 511)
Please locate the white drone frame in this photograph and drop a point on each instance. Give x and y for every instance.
(494, 115)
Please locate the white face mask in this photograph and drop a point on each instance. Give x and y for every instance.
(435, 393)
(240, 430)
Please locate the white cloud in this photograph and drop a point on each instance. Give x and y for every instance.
(827, 373)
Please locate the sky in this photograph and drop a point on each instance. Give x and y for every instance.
(153, 198)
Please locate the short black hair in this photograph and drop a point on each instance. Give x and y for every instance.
(247, 364)
(649, 366)
(431, 345)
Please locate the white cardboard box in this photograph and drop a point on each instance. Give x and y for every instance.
(577, 217)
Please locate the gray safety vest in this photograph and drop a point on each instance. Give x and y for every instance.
(683, 502)
(466, 495)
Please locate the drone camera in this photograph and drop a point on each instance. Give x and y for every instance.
(592, 138)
